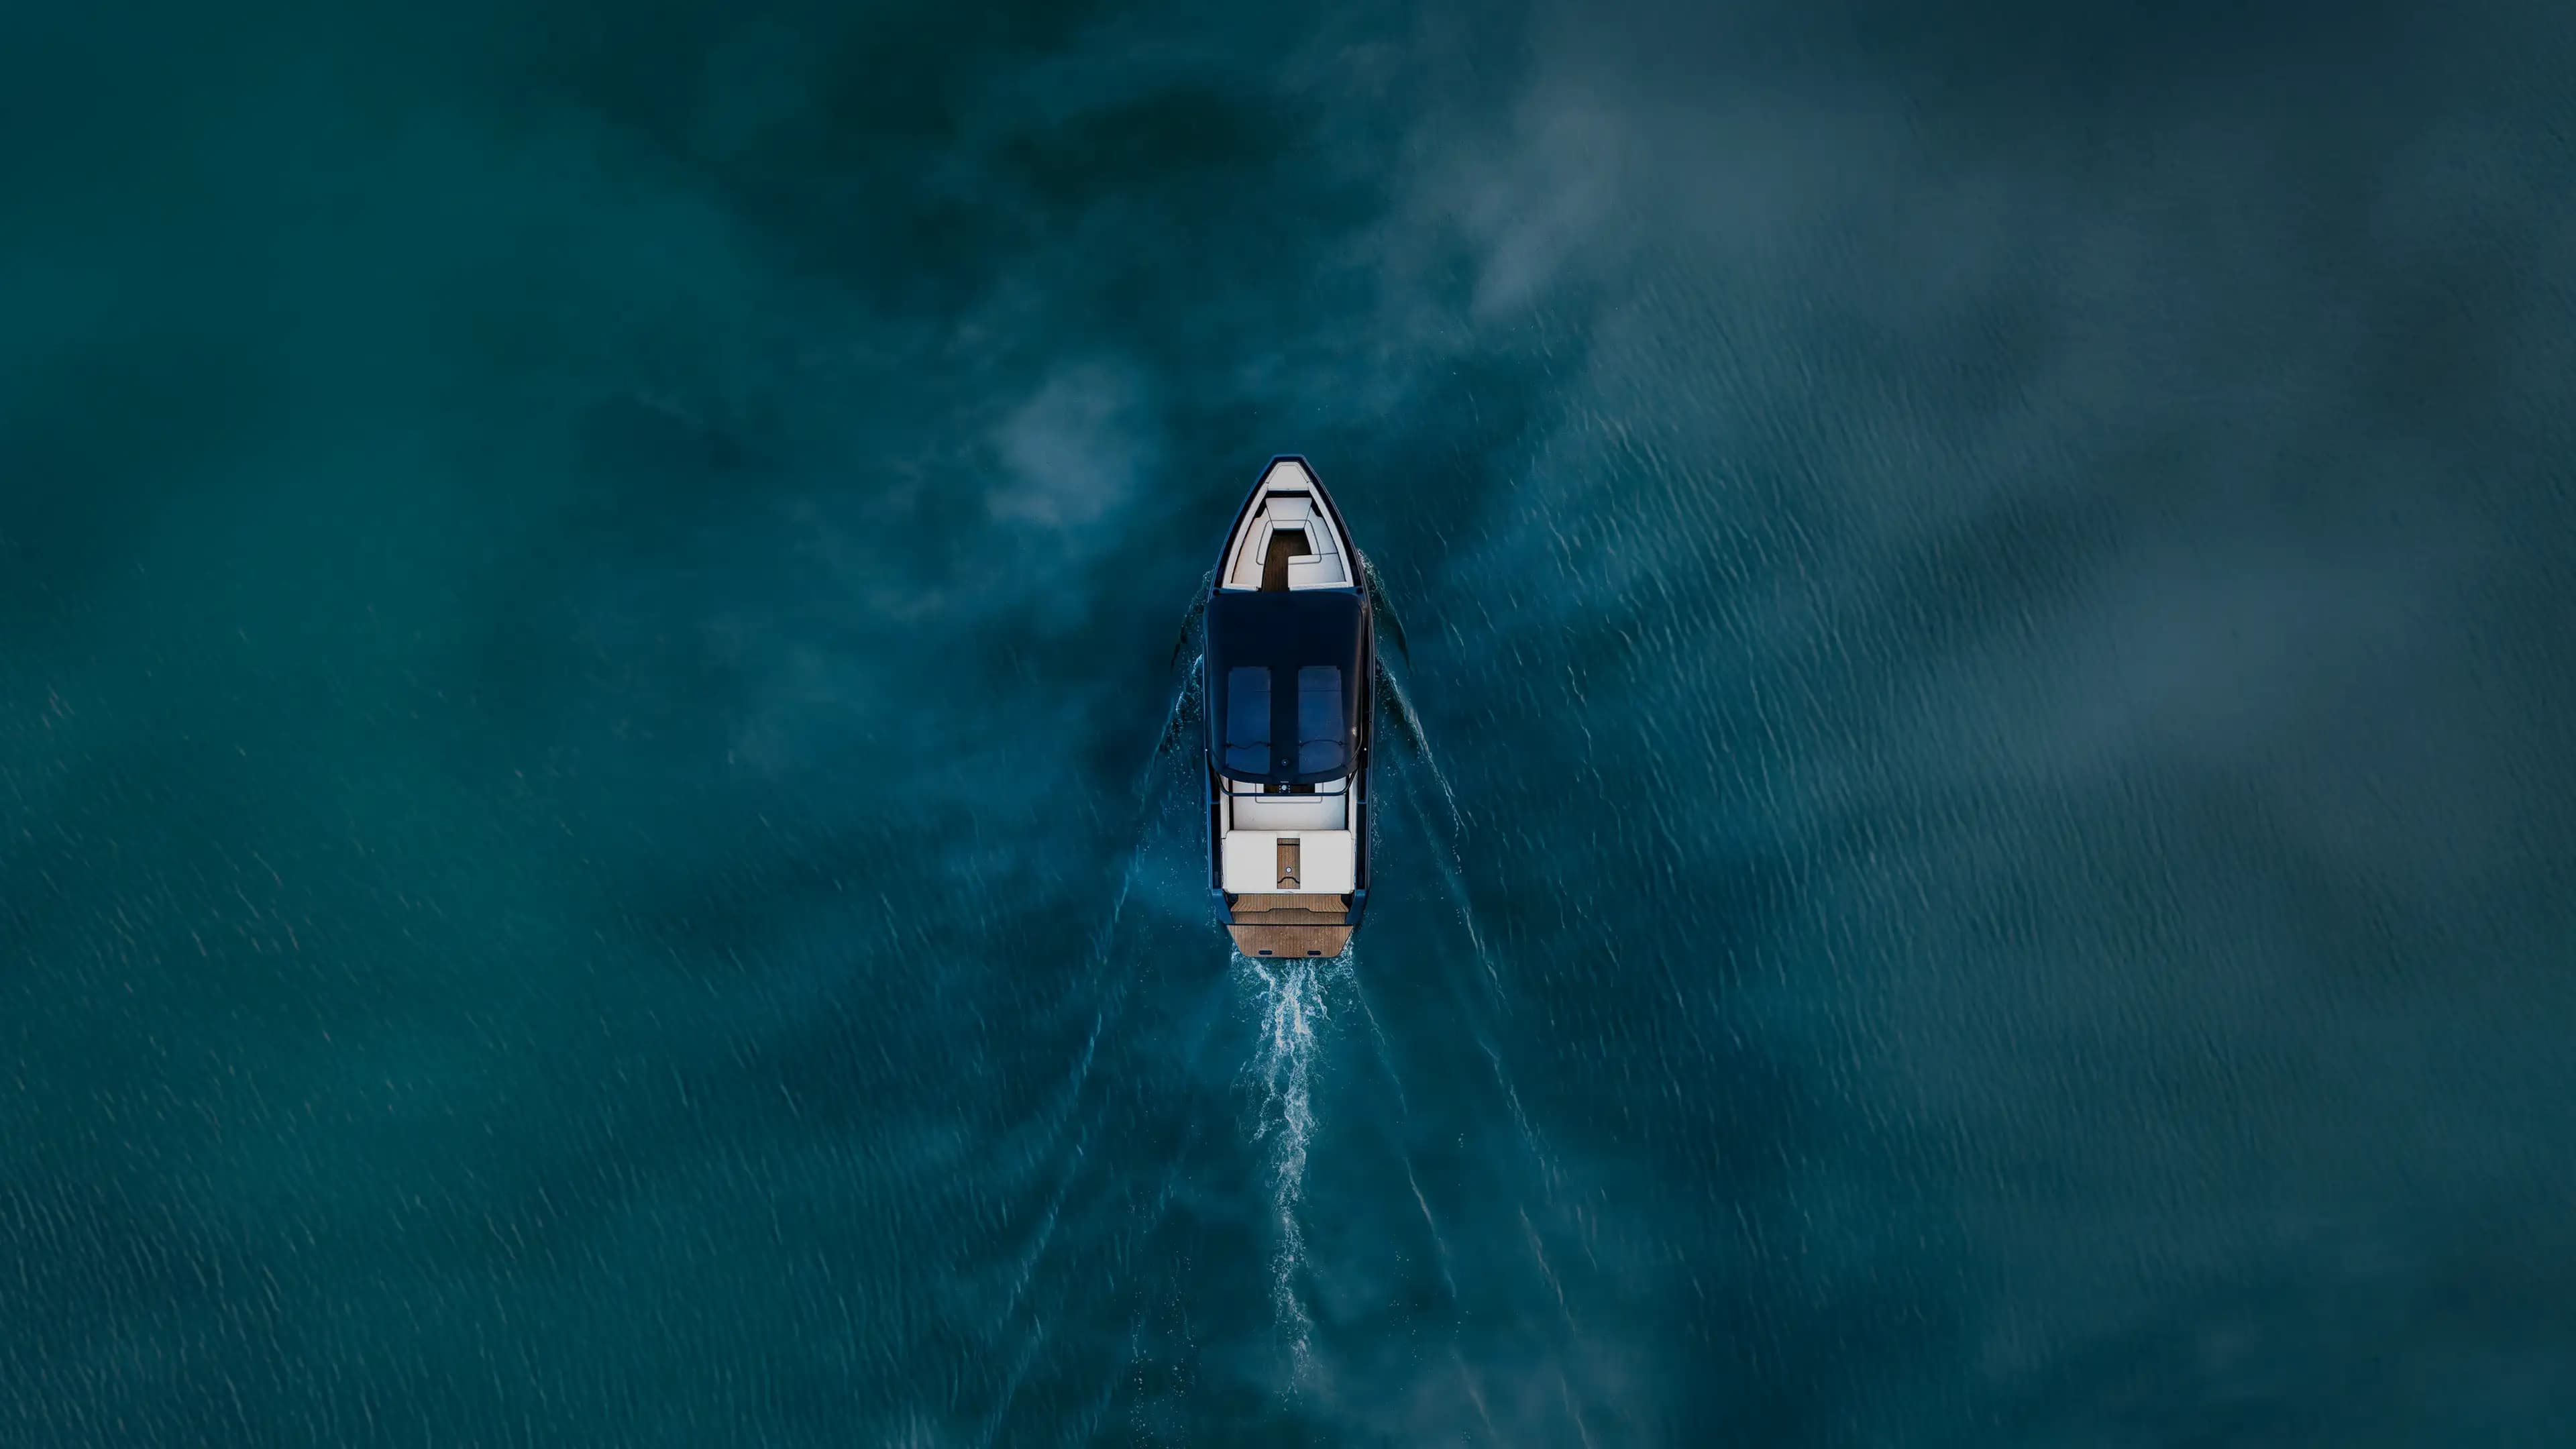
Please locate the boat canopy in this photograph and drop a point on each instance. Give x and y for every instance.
(1283, 684)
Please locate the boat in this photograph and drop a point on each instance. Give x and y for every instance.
(1290, 664)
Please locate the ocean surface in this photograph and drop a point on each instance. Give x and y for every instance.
(590, 595)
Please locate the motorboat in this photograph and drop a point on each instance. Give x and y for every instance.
(1289, 666)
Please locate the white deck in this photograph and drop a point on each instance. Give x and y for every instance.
(1285, 502)
(1328, 862)
(1322, 826)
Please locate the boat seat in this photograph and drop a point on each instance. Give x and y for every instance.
(1248, 809)
(1322, 572)
(1318, 562)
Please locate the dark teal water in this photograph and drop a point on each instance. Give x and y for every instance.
(585, 594)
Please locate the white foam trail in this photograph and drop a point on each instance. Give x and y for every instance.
(1294, 998)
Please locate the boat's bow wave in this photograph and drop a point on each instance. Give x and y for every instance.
(1193, 622)
(1383, 605)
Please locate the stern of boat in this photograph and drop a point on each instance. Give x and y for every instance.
(1267, 927)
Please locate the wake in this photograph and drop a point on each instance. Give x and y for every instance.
(1408, 727)
(1294, 999)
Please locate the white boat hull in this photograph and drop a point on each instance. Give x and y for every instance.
(1289, 861)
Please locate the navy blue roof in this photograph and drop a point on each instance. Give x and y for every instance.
(1284, 683)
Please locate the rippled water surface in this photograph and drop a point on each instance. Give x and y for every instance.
(1975, 848)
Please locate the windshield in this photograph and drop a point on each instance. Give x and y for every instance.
(1284, 671)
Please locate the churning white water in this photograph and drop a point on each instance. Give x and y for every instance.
(1294, 1002)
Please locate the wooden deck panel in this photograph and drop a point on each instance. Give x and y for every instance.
(1282, 942)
